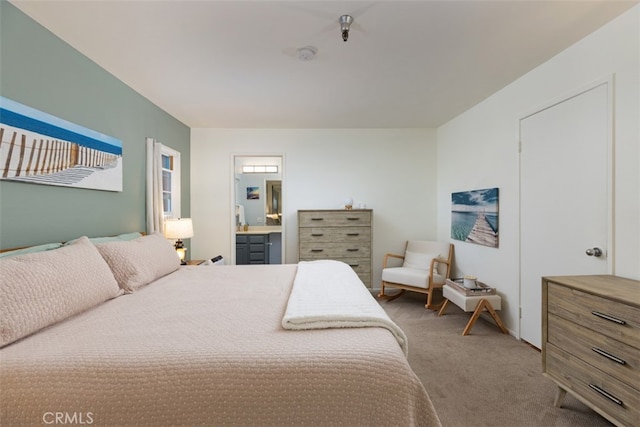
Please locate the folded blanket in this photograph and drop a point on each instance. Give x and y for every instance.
(329, 294)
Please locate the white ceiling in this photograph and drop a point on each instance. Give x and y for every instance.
(232, 64)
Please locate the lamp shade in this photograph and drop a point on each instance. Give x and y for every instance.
(178, 228)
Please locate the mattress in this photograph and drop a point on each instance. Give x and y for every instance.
(206, 346)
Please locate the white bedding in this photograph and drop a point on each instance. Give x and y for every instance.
(206, 346)
(329, 294)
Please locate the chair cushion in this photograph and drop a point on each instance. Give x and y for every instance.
(410, 276)
(420, 260)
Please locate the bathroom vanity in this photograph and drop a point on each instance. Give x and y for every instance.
(259, 245)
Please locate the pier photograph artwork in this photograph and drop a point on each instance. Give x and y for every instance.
(474, 216)
(38, 148)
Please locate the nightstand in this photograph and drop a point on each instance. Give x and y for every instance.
(195, 262)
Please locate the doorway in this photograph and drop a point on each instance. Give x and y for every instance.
(258, 215)
(565, 196)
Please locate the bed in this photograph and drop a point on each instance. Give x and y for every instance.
(199, 345)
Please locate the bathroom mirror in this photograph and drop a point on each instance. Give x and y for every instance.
(274, 203)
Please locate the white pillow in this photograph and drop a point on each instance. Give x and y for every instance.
(31, 250)
(137, 262)
(125, 236)
(40, 289)
(420, 260)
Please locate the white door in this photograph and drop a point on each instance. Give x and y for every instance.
(564, 196)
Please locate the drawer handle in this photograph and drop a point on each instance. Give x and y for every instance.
(317, 234)
(353, 218)
(353, 265)
(353, 250)
(317, 250)
(353, 234)
(606, 394)
(317, 219)
(609, 318)
(608, 355)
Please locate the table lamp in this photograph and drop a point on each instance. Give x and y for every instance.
(181, 228)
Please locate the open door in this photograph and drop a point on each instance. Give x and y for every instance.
(258, 207)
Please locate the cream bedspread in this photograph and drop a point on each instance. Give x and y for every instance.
(205, 346)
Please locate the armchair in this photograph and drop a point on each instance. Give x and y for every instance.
(425, 267)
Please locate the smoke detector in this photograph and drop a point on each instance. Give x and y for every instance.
(307, 53)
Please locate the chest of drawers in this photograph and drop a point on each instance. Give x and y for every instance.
(591, 342)
(343, 235)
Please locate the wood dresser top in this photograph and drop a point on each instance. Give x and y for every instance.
(605, 285)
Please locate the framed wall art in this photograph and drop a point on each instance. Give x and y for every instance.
(39, 148)
(474, 216)
(253, 193)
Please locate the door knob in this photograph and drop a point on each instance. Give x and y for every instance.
(596, 252)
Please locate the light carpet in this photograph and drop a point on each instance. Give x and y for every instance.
(483, 379)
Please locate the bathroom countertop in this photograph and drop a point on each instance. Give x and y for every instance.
(261, 229)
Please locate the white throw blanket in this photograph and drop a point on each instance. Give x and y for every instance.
(329, 294)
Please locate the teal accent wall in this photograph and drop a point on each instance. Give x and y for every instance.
(40, 70)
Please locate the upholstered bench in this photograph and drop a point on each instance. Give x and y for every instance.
(475, 304)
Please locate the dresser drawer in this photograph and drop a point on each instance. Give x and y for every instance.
(583, 379)
(611, 356)
(320, 250)
(336, 234)
(362, 267)
(359, 265)
(365, 278)
(613, 319)
(334, 218)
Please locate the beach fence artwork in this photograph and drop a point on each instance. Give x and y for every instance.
(474, 216)
(39, 148)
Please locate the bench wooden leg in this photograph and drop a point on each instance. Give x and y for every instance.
(496, 318)
(444, 306)
(482, 304)
(474, 317)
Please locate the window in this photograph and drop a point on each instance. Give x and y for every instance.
(170, 182)
(259, 169)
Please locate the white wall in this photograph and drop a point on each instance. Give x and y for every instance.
(393, 171)
(479, 149)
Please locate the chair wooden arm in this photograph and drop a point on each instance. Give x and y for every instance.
(387, 256)
(443, 261)
(440, 260)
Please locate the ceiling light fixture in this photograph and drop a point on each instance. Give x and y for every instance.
(345, 25)
(307, 53)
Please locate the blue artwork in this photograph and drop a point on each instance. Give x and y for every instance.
(39, 148)
(253, 193)
(474, 216)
